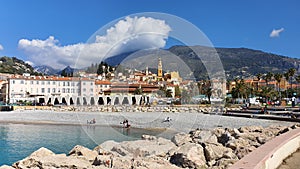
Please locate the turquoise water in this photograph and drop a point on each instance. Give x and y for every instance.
(17, 141)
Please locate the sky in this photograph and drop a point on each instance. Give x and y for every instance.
(55, 32)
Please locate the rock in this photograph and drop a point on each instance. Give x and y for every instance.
(216, 151)
(247, 129)
(203, 136)
(235, 144)
(148, 137)
(144, 148)
(6, 167)
(218, 131)
(224, 163)
(106, 146)
(242, 151)
(78, 150)
(181, 138)
(44, 158)
(225, 137)
(189, 155)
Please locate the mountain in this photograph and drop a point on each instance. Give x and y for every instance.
(14, 65)
(46, 70)
(67, 71)
(237, 62)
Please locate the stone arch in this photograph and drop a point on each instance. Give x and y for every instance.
(49, 101)
(42, 100)
(117, 101)
(78, 101)
(108, 100)
(133, 99)
(84, 101)
(125, 100)
(56, 101)
(71, 101)
(64, 101)
(93, 101)
(100, 101)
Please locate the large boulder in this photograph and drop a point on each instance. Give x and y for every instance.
(247, 129)
(181, 138)
(217, 151)
(203, 136)
(44, 158)
(144, 148)
(78, 150)
(189, 155)
(107, 146)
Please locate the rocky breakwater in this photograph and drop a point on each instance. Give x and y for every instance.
(217, 148)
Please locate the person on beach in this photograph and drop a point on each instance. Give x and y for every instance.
(167, 119)
(125, 124)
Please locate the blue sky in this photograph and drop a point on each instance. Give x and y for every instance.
(228, 24)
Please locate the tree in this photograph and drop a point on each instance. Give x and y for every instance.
(291, 72)
(138, 91)
(298, 80)
(278, 78)
(168, 93)
(177, 91)
(268, 77)
(259, 75)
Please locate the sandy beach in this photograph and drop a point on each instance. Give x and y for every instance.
(181, 122)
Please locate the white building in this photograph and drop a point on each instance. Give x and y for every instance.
(36, 87)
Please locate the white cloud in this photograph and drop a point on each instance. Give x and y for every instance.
(1, 47)
(276, 32)
(130, 34)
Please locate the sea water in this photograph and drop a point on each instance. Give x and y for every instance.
(18, 141)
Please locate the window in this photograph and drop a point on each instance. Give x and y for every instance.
(92, 83)
(13, 82)
(68, 90)
(22, 81)
(48, 82)
(53, 90)
(53, 82)
(72, 90)
(31, 82)
(43, 83)
(91, 90)
(84, 89)
(49, 90)
(37, 82)
(83, 83)
(43, 90)
(63, 90)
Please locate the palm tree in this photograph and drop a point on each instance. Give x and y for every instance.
(268, 77)
(278, 78)
(286, 76)
(291, 72)
(259, 75)
(298, 80)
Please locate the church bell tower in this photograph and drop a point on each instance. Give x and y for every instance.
(159, 70)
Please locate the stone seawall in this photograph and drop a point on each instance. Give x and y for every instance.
(216, 148)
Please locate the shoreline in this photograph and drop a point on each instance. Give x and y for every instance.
(181, 122)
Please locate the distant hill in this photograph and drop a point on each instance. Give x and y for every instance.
(14, 65)
(237, 62)
(46, 70)
(67, 71)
